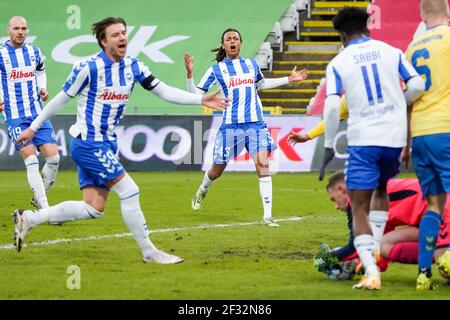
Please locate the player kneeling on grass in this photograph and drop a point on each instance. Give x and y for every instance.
(400, 240)
(103, 85)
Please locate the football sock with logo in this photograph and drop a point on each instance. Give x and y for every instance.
(206, 182)
(265, 190)
(428, 231)
(128, 193)
(364, 246)
(377, 221)
(62, 212)
(35, 180)
(49, 171)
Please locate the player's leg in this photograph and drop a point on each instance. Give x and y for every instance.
(362, 177)
(389, 166)
(45, 139)
(261, 160)
(430, 156)
(128, 193)
(34, 176)
(92, 206)
(51, 166)
(228, 143)
(442, 252)
(364, 243)
(401, 245)
(210, 175)
(378, 215)
(259, 143)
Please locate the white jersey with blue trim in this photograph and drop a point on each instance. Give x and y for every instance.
(369, 73)
(237, 81)
(103, 88)
(18, 80)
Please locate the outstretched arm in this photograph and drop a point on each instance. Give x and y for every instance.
(175, 95)
(278, 82)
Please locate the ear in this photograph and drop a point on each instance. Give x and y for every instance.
(103, 42)
(341, 187)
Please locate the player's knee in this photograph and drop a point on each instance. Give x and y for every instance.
(53, 160)
(31, 161)
(95, 211)
(126, 188)
(385, 248)
(213, 175)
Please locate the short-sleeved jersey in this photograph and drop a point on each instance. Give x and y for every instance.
(430, 56)
(18, 80)
(103, 88)
(237, 81)
(369, 73)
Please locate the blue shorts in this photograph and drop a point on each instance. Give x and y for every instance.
(231, 139)
(369, 166)
(43, 136)
(96, 162)
(431, 158)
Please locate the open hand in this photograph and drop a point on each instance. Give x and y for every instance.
(214, 101)
(298, 75)
(44, 94)
(189, 64)
(25, 137)
(295, 137)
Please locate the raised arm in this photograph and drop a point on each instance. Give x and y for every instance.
(189, 64)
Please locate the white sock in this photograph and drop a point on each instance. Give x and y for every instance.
(62, 212)
(206, 182)
(265, 189)
(377, 220)
(364, 246)
(128, 193)
(49, 171)
(35, 180)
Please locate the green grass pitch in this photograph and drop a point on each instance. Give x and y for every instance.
(231, 262)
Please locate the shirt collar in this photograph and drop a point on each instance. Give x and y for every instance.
(435, 26)
(359, 40)
(229, 60)
(105, 58)
(8, 44)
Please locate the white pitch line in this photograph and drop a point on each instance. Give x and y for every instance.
(122, 235)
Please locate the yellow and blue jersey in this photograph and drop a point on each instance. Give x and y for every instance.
(430, 56)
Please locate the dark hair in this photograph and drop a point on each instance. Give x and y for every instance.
(99, 28)
(220, 52)
(336, 178)
(351, 20)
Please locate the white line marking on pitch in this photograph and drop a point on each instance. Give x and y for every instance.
(122, 235)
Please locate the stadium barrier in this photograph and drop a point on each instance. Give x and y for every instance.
(186, 143)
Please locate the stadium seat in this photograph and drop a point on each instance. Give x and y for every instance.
(264, 57)
(275, 36)
(289, 21)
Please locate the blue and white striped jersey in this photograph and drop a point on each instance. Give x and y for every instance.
(103, 88)
(369, 73)
(237, 81)
(18, 85)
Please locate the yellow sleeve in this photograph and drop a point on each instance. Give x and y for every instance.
(319, 129)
